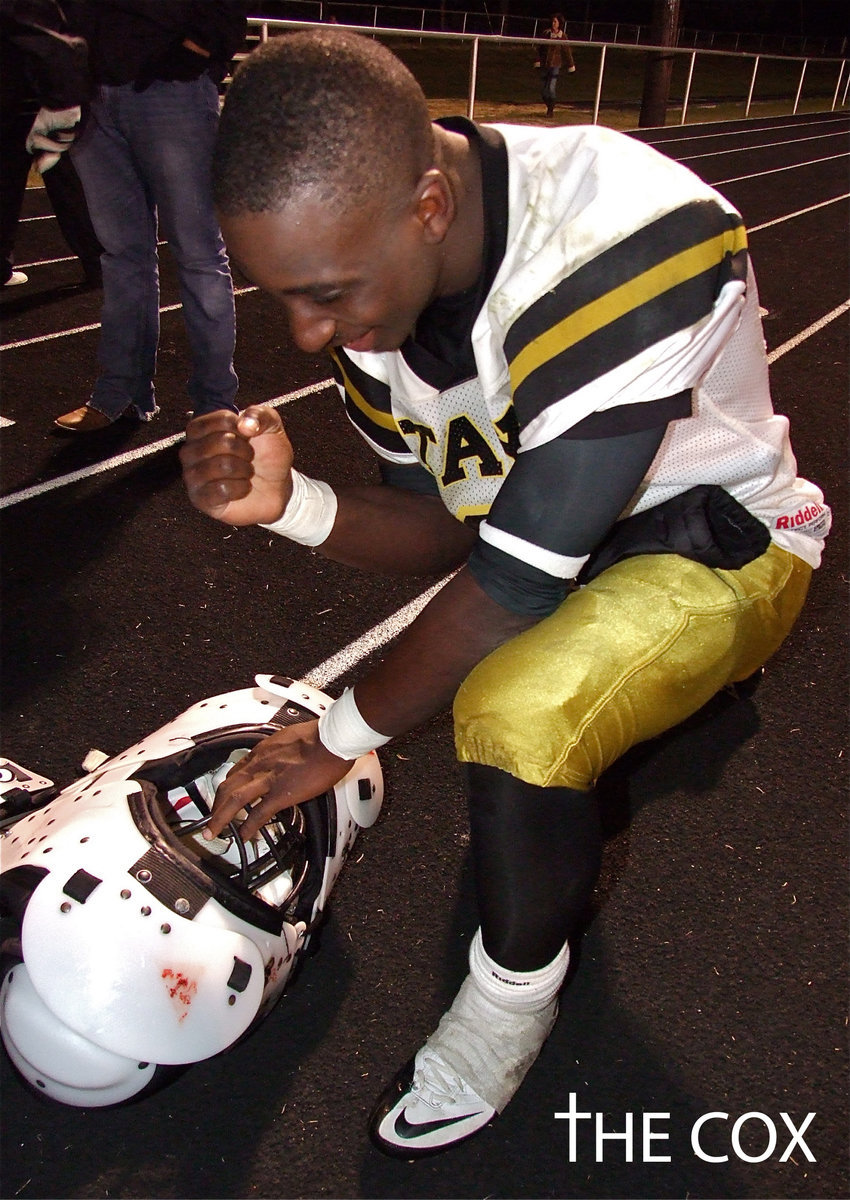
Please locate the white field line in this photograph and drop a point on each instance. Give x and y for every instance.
(120, 460)
(49, 337)
(808, 332)
(801, 212)
(331, 669)
(706, 132)
(776, 170)
(52, 262)
(761, 146)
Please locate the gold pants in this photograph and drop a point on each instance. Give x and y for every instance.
(632, 654)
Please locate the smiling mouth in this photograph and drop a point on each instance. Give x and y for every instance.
(365, 342)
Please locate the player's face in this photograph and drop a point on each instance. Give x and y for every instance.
(359, 281)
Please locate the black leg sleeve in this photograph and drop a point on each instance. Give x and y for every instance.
(536, 855)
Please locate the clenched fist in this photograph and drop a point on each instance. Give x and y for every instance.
(237, 467)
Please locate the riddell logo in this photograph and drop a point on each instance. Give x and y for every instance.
(801, 517)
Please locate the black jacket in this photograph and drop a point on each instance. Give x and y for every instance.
(137, 41)
(40, 63)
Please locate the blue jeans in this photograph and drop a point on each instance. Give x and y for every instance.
(144, 160)
(549, 84)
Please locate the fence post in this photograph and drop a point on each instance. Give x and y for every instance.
(837, 86)
(688, 88)
(752, 85)
(599, 86)
(473, 74)
(800, 85)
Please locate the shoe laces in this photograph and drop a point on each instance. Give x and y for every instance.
(436, 1083)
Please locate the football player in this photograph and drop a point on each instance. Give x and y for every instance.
(552, 341)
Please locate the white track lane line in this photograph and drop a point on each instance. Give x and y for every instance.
(49, 337)
(706, 131)
(801, 212)
(335, 666)
(120, 460)
(144, 451)
(776, 170)
(761, 146)
(808, 332)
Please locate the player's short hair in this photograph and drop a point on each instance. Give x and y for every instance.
(324, 110)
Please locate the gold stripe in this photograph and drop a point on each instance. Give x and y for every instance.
(471, 510)
(385, 420)
(623, 299)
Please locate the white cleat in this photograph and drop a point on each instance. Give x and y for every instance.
(427, 1108)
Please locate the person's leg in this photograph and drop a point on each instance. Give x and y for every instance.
(173, 140)
(536, 855)
(629, 655)
(124, 221)
(15, 163)
(550, 77)
(68, 200)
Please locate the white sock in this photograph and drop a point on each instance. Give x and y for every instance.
(519, 990)
(498, 1023)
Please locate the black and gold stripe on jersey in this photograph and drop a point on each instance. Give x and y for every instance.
(658, 281)
(368, 403)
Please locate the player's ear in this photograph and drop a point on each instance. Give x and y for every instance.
(435, 205)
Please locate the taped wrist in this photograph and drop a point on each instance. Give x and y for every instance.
(343, 731)
(310, 514)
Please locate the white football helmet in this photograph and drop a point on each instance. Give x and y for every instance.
(132, 945)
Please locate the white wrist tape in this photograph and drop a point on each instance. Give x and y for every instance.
(343, 731)
(310, 514)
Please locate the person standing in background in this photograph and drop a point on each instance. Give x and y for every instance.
(43, 81)
(143, 156)
(551, 56)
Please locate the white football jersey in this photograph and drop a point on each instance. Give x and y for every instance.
(625, 282)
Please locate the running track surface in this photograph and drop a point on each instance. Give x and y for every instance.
(713, 975)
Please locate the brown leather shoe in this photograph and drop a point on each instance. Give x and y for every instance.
(83, 420)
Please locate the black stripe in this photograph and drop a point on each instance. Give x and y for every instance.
(376, 394)
(655, 243)
(615, 344)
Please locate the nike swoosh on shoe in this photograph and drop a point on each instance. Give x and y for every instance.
(393, 1133)
(417, 1129)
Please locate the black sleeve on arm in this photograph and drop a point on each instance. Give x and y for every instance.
(560, 498)
(411, 477)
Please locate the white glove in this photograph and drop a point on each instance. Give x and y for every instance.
(52, 132)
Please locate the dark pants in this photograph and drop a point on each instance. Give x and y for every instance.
(549, 83)
(64, 191)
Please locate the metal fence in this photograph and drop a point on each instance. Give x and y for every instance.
(444, 20)
(747, 65)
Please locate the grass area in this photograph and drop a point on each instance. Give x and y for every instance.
(507, 87)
